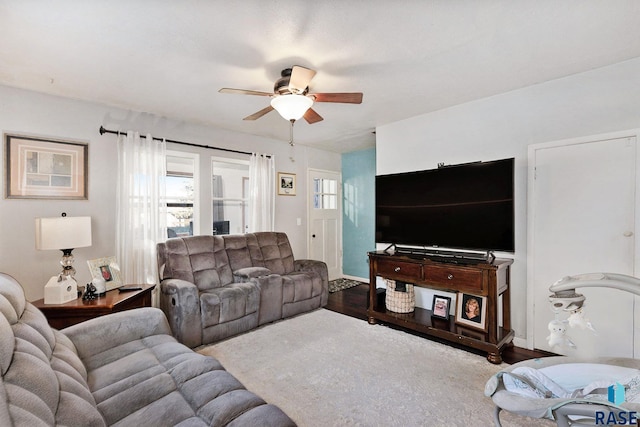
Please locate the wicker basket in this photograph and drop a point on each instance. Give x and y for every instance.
(399, 301)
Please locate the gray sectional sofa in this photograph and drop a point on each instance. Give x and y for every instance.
(123, 369)
(214, 287)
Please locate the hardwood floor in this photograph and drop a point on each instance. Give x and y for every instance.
(353, 302)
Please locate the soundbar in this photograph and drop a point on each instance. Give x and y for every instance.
(444, 255)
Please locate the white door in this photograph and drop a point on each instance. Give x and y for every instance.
(324, 220)
(582, 221)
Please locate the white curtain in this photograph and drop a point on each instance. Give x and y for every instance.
(262, 193)
(140, 206)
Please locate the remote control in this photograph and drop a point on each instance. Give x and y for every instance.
(129, 288)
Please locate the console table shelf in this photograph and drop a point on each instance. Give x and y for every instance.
(475, 277)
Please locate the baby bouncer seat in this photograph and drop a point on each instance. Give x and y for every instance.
(569, 390)
(572, 391)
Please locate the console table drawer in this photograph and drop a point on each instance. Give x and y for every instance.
(458, 278)
(399, 270)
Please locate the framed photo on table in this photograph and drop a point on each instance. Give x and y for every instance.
(39, 168)
(471, 311)
(440, 306)
(107, 269)
(286, 184)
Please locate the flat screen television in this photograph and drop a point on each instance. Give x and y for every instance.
(468, 206)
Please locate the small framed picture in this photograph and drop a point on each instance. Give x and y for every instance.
(471, 310)
(107, 269)
(440, 306)
(38, 168)
(286, 184)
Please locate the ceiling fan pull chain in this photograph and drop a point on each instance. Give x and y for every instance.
(291, 132)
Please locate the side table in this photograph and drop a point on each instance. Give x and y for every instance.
(62, 315)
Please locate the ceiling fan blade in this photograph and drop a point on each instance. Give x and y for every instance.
(312, 117)
(244, 92)
(300, 78)
(347, 98)
(259, 114)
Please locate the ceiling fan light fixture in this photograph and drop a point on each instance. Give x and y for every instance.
(292, 106)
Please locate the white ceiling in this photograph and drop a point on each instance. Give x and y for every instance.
(170, 57)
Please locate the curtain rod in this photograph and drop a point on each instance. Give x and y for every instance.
(117, 132)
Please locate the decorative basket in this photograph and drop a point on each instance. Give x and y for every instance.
(400, 301)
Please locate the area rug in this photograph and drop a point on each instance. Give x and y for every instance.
(342, 284)
(327, 369)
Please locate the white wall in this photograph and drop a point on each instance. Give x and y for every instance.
(594, 102)
(35, 114)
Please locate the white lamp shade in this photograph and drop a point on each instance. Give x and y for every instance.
(292, 107)
(63, 232)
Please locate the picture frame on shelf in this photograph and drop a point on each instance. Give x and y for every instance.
(440, 306)
(107, 269)
(471, 311)
(286, 184)
(42, 168)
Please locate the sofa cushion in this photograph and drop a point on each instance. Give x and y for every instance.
(130, 380)
(201, 260)
(300, 286)
(243, 251)
(136, 382)
(228, 303)
(276, 252)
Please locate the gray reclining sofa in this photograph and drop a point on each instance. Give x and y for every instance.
(123, 369)
(214, 287)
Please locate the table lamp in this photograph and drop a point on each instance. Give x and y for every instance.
(63, 233)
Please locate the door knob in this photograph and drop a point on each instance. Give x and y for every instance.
(628, 233)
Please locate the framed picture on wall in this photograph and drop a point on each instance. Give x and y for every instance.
(440, 306)
(286, 184)
(471, 310)
(38, 168)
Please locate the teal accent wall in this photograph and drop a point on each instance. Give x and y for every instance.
(358, 211)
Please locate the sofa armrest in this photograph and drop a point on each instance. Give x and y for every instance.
(102, 333)
(180, 302)
(319, 267)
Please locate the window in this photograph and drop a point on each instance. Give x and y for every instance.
(325, 193)
(181, 194)
(230, 196)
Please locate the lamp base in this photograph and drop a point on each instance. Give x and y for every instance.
(58, 291)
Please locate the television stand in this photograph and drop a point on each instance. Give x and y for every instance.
(480, 278)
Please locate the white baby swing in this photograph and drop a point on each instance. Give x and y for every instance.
(570, 390)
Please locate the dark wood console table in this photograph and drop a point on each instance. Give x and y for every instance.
(60, 316)
(481, 278)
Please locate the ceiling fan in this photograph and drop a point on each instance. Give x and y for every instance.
(291, 97)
